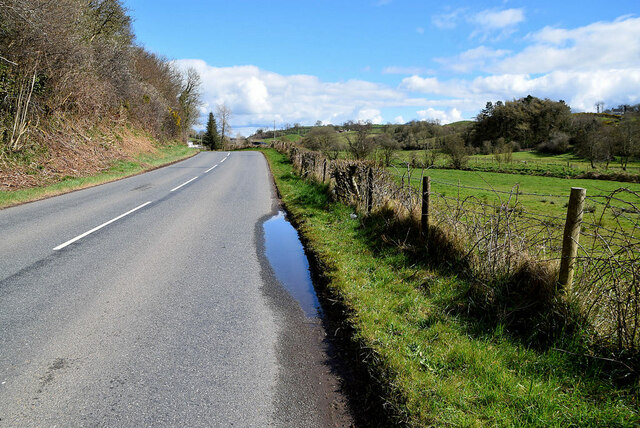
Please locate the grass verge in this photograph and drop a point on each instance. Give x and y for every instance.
(121, 169)
(429, 361)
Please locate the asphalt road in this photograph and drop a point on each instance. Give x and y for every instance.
(168, 315)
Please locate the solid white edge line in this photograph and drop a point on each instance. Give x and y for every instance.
(210, 168)
(71, 241)
(183, 184)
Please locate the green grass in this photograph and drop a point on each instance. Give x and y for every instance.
(530, 163)
(531, 184)
(120, 169)
(292, 138)
(434, 365)
(459, 126)
(542, 196)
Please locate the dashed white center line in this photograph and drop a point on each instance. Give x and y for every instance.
(184, 184)
(71, 241)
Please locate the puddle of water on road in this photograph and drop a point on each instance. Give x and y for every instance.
(289, 262)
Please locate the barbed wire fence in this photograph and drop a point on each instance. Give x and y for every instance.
(496, 237)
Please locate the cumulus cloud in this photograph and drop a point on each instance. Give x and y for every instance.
(258, 97)
(369, 115)
(472, 59)
(444, 117)
(596, 46)
(600, 61)
(581, 89)
(399, 120)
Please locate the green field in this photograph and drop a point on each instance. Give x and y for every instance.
(529, 162)
(544, 195)
(434, 363)
(540, 201)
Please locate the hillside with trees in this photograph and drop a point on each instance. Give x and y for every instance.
(76, 92)
(542, 127)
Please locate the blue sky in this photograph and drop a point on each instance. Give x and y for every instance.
(394, 60)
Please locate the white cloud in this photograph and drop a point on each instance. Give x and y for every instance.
(420, 30)
(447, 21)
(444, 117)
(399, 120)
(454, 88)
(472, 59)
(427, 85)
(602, 45)
(496, 24)
(488, 22)
(581, 89)
(258, 97)
(369, 114)
(596, 46)
(403, 70)
(498, 19)
(600, 61)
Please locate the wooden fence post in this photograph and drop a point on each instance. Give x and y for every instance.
(370, 190)
(571, 237)
(324, 171)
(426, 191)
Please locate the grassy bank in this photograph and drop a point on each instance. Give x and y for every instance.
(162, 156)
(433, 362)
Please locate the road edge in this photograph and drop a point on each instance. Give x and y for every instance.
(90, 185)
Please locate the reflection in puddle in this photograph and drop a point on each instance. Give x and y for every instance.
(289, 262)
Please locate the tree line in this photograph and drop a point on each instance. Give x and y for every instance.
(78, 60)
(499, 129)
(549, 126)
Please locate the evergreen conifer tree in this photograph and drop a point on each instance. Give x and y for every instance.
(211, 139)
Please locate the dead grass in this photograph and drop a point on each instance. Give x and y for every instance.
(70, 149)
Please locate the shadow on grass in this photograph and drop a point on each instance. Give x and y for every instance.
(524, 306)
(518, 309)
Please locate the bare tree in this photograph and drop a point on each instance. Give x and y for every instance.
(223, 115)
(628, 141)
(189, 100)
(388, 145)
(325, 139)
(86, 66)
(360, 145)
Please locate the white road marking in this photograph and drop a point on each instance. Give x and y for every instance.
(71, 241)
(183, 184)
(211, 168)
(223, 160)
